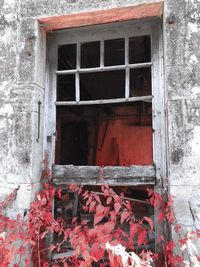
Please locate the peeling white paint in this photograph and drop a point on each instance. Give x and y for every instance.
(5, 89)
(193, 27)
(5, 192)
(10, 17)
(3, 123)
(9, 3)
(8, 37)
(195, 144)
(196, 90)
(6, 109)
(24, 196)
(4, 83)
(193, 60)
(10, 121)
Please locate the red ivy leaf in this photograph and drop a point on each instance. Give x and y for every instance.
(59, 192)
(116, 262)
(98, 218)
(96, 252)
(99, 209)
(177, 228)
(44, 234)
(28, 262)
(106, 192)
(128, 205)
(52, 247)
(170, 216)
(92, 206)
(124, 216)
(108, 227)
(161, 216)
(183, 241)
(86, 255)
(160, 238)
(97, 198)
(83, 264)
(109, 200)
(150, 222)
(21, 250)
(142, 237)
(89, 201)
(117, 207)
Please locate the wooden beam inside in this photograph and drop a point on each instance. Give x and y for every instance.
(103, 16)
(113, 175)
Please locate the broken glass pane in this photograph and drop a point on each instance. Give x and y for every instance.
(102, 85)
(139, 49)
(66, 87)
(114, 52)
(67, 57)
(90, 55)
(140, 82)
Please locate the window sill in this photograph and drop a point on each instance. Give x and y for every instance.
(112, 175)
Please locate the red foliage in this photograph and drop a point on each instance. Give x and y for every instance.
(114, 223)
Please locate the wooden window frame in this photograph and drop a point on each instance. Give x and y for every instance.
(102, 36)
(150, 27)
(116, 175)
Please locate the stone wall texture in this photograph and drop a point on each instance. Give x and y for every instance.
(22, 85)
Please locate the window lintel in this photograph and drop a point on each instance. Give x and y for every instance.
(142, 11)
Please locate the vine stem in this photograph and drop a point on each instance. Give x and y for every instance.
(38, 247)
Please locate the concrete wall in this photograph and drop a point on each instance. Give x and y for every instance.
(22, 68)
(182, 84)
(182, 79)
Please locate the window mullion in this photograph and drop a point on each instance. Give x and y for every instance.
(127, 85)
(78, 59)
(101, 53)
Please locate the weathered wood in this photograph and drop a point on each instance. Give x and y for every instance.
(104, 68)
(65, 174)
(105, 101)
(117, 175)
(62, 255)
(103, 16)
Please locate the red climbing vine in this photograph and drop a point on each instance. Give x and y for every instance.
(115, 237)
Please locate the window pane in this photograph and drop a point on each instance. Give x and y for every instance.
(90, 55)
(114, 52)
(140, 82)
(67, 57)
(66, 87)
(139, 49)
(102, 85)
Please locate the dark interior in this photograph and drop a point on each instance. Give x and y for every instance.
(67, 57)
(102, 85)
(114, 52)
(90, 55)
(112, 134)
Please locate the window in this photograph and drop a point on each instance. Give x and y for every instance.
(106, 106)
